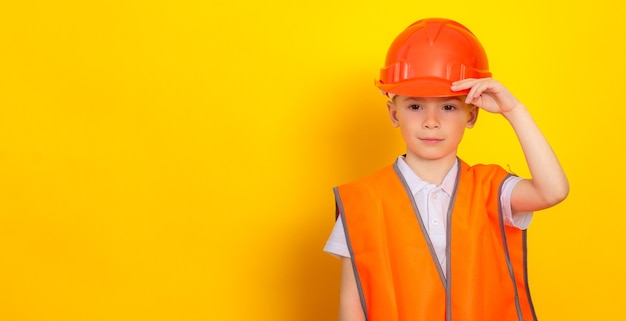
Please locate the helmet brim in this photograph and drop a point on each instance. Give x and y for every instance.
(424, 87)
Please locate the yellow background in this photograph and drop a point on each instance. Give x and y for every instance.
(173, 160)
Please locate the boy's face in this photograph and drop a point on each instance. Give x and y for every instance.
(432, 127)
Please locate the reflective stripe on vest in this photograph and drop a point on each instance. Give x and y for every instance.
(397, 272)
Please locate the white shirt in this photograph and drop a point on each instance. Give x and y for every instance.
(432, 202)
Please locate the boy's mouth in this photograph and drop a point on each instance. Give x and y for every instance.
(431, 140)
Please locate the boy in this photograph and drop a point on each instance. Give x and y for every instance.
(430, 237)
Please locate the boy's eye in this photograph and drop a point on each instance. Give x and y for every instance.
(449, 107)
(415, 107)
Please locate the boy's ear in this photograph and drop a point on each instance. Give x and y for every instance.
(472, 117)
(393, 113)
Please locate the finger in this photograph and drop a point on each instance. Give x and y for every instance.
(463, 84)
(486, 85)
(474, 94)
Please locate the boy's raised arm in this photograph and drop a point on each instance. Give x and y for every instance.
(548, 184)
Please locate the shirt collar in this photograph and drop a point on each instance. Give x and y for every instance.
(416, 184)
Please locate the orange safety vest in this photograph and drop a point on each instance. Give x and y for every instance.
(397, 272)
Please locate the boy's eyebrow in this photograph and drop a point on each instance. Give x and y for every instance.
(455, 98)
(444, 99)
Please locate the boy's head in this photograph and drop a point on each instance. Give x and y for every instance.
(428, 56)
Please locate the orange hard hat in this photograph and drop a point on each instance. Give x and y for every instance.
(428, 56)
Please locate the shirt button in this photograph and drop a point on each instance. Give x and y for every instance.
(435, 222)
(434, 196)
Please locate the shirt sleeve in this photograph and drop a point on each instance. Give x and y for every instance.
(336, 243)
(521, 220)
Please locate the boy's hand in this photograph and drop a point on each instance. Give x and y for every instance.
(488, 94)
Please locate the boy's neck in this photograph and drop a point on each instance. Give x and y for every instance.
(431, 171)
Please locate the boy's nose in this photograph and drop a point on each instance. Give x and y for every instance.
(431, 120)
